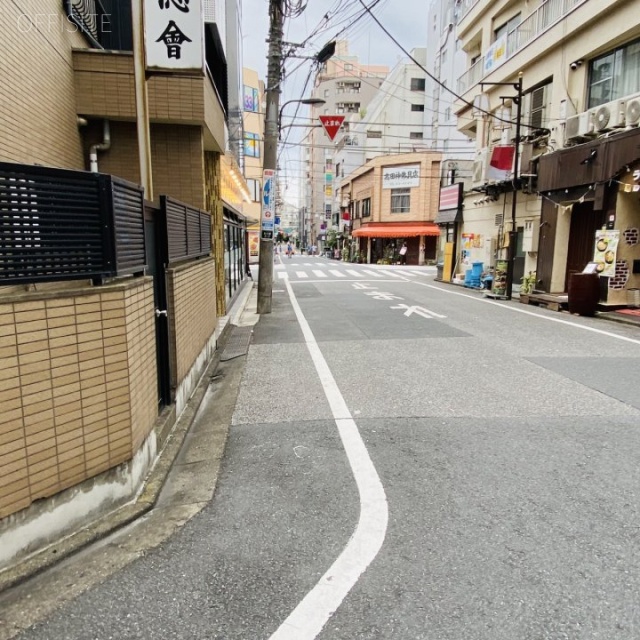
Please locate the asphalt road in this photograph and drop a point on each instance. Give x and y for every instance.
(506, 440)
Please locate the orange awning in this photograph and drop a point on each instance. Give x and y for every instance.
(397, 230)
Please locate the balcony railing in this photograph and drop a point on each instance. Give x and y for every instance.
(463, 7)
(472, 75)
(545, 16)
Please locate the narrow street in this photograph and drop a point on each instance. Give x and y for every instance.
(496, 496)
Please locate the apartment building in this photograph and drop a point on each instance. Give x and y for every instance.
(580, 62)
(347, 87)
(393, 123)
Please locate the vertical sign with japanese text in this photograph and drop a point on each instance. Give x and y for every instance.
(268, 204)
(174, 34)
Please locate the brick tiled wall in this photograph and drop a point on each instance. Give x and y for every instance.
(78, 387)
(37, 102)
(192, 317)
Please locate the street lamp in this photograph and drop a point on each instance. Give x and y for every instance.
(513, 233)
(310, 101)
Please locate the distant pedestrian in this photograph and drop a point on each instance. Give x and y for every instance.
(403, 253)
(289, 250)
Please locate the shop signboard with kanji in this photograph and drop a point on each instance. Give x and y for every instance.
(174, 34)
(401, 176)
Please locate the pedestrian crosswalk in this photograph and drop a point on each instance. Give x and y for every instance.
(332, 271)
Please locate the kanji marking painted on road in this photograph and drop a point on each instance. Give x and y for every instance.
(362, 285)
(383, 295)
(419, 311)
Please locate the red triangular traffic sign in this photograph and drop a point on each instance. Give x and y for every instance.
(331, 125)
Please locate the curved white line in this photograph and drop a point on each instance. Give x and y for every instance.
(306, 621)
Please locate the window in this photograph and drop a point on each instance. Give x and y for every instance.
(251, 145)
(417, 84)
(254, 189)
(537, 102)
(415, 135)
(508, 26)
(357, 214)
(615, 74)
(366, 207)
(326, 93)
(374, 134)
(348, 66)
(417, 107)
(400, 200)
(447, 114)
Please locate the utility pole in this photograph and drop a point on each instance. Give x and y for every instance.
(513, 234)
(267, 226)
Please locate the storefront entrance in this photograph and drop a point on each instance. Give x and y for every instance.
(584, 224)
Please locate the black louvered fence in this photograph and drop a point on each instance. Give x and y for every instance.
(188, 230)
(57, 224)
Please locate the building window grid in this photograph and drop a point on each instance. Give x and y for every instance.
(614, 74)
(400, 200)
(366, 207)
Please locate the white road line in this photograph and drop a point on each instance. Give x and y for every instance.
(532, 313)
(302, 274)
(336, 273)
(282, 275)
(320, 264)
(404, 272)
(308, 264)
(370, 272)
(306, 621)
(325, 281)
(319, 274)
(418, 273)
(353, 272)
(396, 275)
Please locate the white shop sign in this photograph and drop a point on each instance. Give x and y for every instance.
(174, 34)
(407, 175)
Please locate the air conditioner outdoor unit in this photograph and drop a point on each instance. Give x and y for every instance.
(579, 127)
(632, 110)
(608, 116)
(480, 167)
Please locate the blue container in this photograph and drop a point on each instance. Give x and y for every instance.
(477, 269)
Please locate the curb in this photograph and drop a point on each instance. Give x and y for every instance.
(114, 520)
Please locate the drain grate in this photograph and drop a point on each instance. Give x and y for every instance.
(237, 344)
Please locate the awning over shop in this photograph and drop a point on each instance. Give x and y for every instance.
(397, 230)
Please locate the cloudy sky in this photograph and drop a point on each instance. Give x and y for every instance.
(347, 19)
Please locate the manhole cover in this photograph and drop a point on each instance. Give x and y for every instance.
(237, 344)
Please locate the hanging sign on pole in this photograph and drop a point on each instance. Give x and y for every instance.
(331, 125)
(268, 201)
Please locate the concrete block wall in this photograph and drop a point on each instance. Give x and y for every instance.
(192, 321)
(78, 386)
